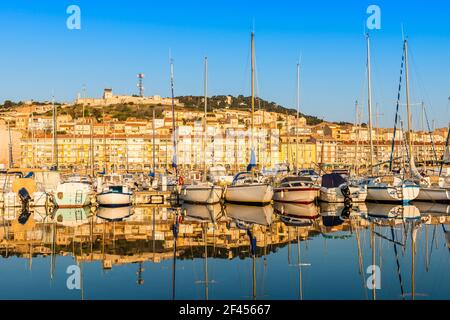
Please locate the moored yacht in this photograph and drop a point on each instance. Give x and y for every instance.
(249, 188)
(391, 189)
(113, 192)
(434, 189)
(297, 190)
(201, 193)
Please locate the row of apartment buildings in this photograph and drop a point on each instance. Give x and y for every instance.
(123, 146)
(134, 144)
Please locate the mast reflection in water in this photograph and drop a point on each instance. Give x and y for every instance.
(280, 251)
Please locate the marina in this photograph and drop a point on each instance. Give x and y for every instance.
(170, 152)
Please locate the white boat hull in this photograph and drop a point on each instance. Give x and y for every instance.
(296, 194)
(334, 195)
(251, 194)
(201, 194)
(434, 194)
(114, 199)
(392, 194)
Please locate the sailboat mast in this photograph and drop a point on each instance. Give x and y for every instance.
(153, 141)
(10, 147)
(91, 149)
(55, 142)
(369, 102)
(174, 158)
(408, 107)
(204, 117)
(253, 87)
(297, 117)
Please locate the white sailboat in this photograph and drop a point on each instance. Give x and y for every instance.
(246, 186)
(203, 192)
(391, 189)
(437, 188)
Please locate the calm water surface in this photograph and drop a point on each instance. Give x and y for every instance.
(228, 252)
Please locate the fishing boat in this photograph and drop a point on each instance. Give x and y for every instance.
(74, 192)
(336, 189)
(249, 187)
(203, 192)
(113, 192)
(296, 189)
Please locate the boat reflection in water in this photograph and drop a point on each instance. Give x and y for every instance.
(72, 217)
(340, 209)
(238, 251)
(431, 208)
(201, 213)
(250, 214)
(114, 214)
(392, 211)
(298, 215)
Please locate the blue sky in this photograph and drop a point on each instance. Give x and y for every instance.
(121, 38)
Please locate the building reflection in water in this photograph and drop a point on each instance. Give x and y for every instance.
(120, 236)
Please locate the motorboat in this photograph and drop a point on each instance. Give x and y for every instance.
(113, 192)
(296, 189)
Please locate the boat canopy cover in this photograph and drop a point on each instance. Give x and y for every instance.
(332, 180)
